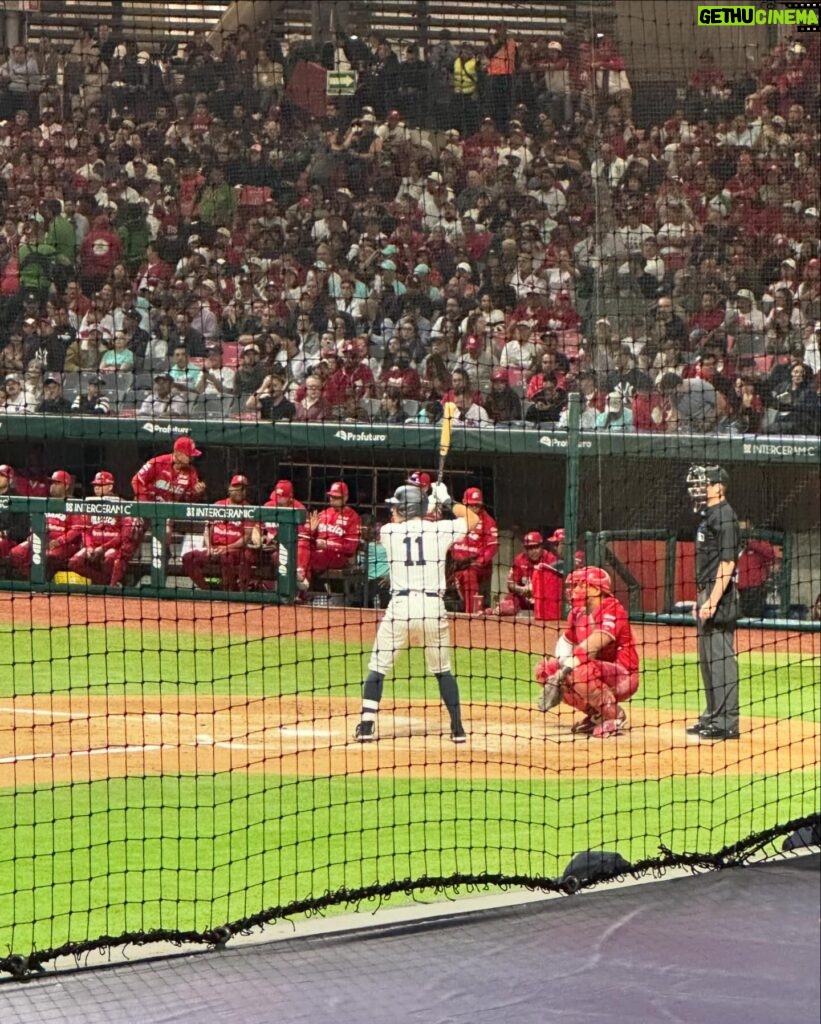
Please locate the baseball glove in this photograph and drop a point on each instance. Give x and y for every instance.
(550, 675)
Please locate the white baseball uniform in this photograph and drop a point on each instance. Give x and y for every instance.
(416, 549)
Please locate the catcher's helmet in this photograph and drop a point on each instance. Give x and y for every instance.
(533, 539)
(339, 489)
(699, 478)
(102, 479)
(473, 496)
(409, 501)
(590, 576)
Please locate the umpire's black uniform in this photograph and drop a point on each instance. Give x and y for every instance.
(718, 540)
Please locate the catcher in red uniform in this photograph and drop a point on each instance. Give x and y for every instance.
(282, 496)
(531, 559)
(335, 534)
(64, 533)
(596, 666)
(231, 546)
(109, 540)
(472, 556)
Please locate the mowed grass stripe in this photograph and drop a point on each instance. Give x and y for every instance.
(115, 660)
(88, 859)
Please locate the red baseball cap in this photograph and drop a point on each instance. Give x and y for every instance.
(239, 481)
(420, 479)
(62, 476)
(473, 496)
(339, 489)
(6, 471)
(556, 537)
(187, 447)
(499, 375)
(533, 539)
(474, 344)
(282, 489)
(102, 479)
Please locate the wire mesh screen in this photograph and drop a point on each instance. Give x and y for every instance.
(544, 275)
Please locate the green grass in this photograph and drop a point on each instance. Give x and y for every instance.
(135, 854)
(113, 660)
(88, 859)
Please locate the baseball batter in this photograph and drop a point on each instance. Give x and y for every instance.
(109, 540)
(417, 549)
(595, 667)
(718, 541)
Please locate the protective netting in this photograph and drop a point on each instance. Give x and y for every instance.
(267, 257)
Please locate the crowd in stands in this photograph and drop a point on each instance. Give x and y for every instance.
(479, 225)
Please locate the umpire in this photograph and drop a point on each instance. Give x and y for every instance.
(717, 546)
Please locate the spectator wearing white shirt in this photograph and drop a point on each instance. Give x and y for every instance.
(634, 232)
(607, 166)
(469, 414)
(519, 352)
(215, 380)
(549, 193)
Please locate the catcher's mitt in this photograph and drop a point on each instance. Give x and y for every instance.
(550, 675)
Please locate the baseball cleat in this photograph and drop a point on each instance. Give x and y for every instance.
(457, 734)
(365, 732)
(612, 727)
(586, 726)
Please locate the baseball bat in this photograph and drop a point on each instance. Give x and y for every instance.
(449, 411)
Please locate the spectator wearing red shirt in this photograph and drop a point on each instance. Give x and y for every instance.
(710, 316)
(100, 252)
(353, 377)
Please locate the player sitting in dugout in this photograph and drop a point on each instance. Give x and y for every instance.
(336, 533)
(231, 549)
(595, 666)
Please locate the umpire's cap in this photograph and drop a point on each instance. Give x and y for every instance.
(717, 475)
(409, 501)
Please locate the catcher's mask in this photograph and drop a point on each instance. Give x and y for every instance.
(699, 478)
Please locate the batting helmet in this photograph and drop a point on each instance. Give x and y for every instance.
(533, 539)
(473, 496)
(338, 489)
(590, 576)
(409, 501)
(102, 479)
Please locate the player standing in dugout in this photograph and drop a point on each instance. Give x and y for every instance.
(718, 540)
(417, 549)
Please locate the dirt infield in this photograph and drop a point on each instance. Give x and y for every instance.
(56, 739)
(49, 740)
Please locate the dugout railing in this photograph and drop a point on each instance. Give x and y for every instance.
(159, 518)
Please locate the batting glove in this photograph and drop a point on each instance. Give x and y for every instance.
(441, 495)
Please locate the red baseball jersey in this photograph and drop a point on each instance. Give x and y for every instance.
(161, 480)
(108, 531)
(62, 528)
(341, 529)
(521, 572)
(270, 531)
(345, 382)
(228, 531)
(610, 618)
(481, 543)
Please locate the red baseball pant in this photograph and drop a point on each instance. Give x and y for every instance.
(598, 687)
(56, 560)
(234, 568)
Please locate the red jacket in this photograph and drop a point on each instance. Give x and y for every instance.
(161, 480)
(62, 528)
(344, 383)
(223, 532)
(108, 532)
(270, 531)
(755, 563)
(480, 544)
(341, 529)
(101, 250)
(521, 572)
